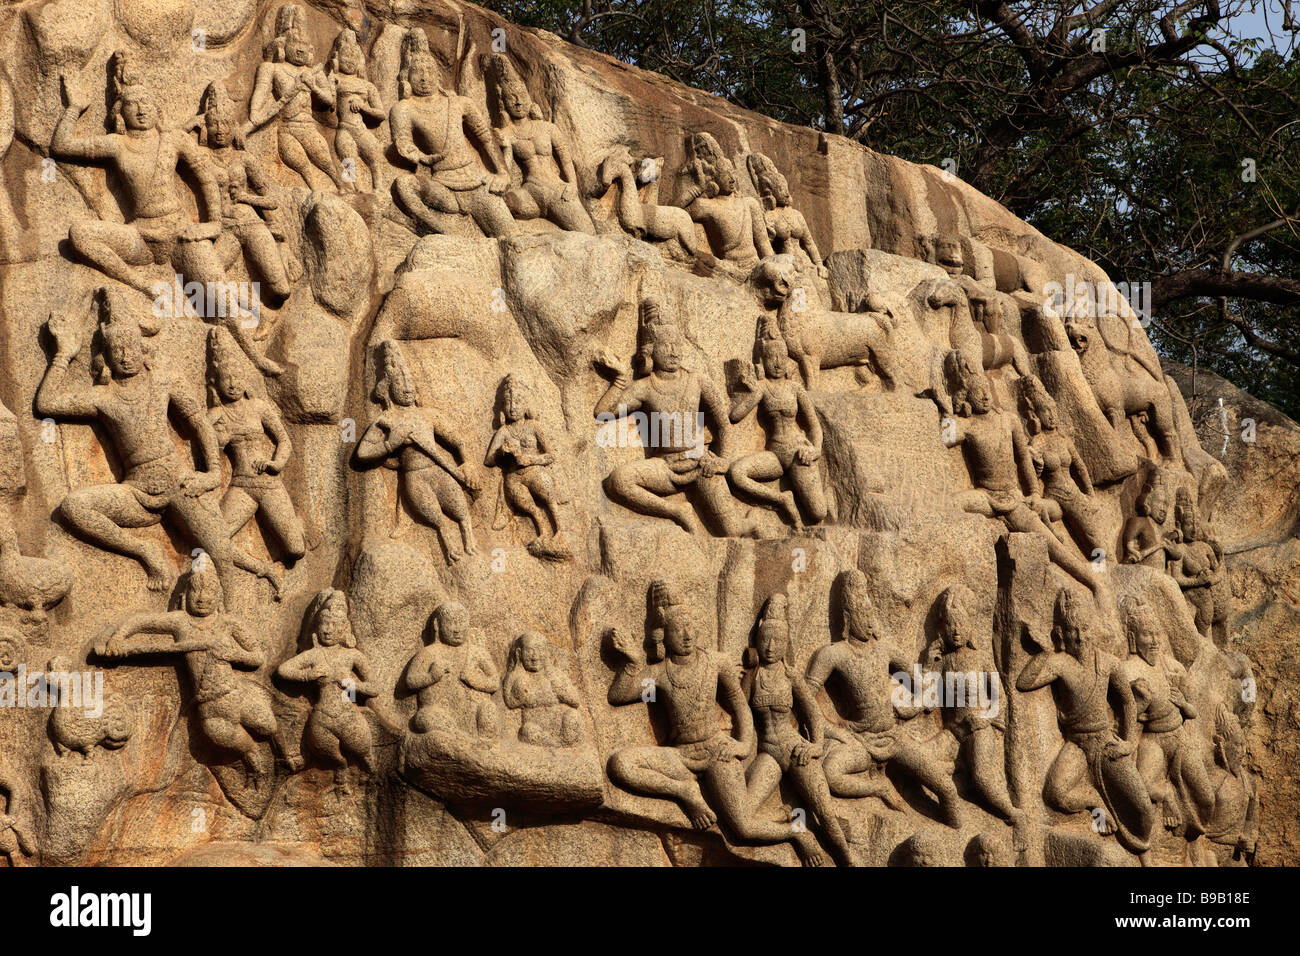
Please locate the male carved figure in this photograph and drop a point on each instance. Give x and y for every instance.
(454, 678)
(690, 682)
(733, 224)
(1083, 677)
(677, 459)
(429, 127)
(998, 456)
(133, 405)
(862, 665)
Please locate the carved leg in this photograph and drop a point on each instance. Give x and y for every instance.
(101, 512)
(725, 782)
(113, 248)
(659, 772)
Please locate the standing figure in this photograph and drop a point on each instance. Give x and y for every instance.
(429, 126)
(336, 729)
(521, 450)
(356, 100)
(786, 227)
(860, 663)
(677, 459)
(690, 682)
(454, 678)
(792, 450)
(998, 457)
(1065, 478)
(242, 422)
(284, 89)
(245, 193)
(133, 405)
(144, 156)
(430, 478)
(1196, 563)
(1094, 770)
(233, 711)
(543, 153)
(967, 656)
(733, 224)
(546, 699)
(789, 725)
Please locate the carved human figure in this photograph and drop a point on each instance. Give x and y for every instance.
(794, 437)
(232, 710)
(1196, 563)
(677, 459)
(356, 101)
(287, 83)
(520, 448)
(247, 204)
(975, 330)
(454, 678)
(733, 224)
(786, 227)
(538, 688)
(132, 403)
(15, 842)
(145, 156)
(337, 730)
(1233, 823)
(966, 655)
(242, 422)
(998, 457)
(429, 127)
(1095, 769)
(637, 207)
(430, 479)
(1066, 482)
(1144, 534)
(543, 153)
(702, 756)
(859, 665)
(789, 725)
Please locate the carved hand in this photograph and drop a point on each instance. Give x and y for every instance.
(606, 361)
(622, 645)
(807, 454)
(66, 332)
(72, 94)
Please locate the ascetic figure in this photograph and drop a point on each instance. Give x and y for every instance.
(794, 438)
(733, 224)
(1144, 537)
(133, 406)
(1095, 765)
(430, 478)
(454, 678)
(233, 711)
(285, 86)
(542, 152)
(789, 724)
(429, 127)
(242, 423)
(861, 664)
(336, 730)
(539, 689)
(702, 756)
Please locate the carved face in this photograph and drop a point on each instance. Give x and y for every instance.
(1158, 506)
(1146, 639)
(123, 349)
(679, 636)
(667, 352)
(512, 402)
(515, 99)
(1232, 752)
(203, 595)
(349, 59)
(1185, 518)
(423, 76)
(775, 358)
(400, 387)
(533, 652)
(453, 626)
(332, 626)
(1073, 640)
(227, 381)
(297, 48)
(772, 640)
(979, 393)
(221, 128)
(725, 179)
(860, 617)
(956, 623)
(139, 111)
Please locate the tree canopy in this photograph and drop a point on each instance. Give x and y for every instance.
(1153, 136)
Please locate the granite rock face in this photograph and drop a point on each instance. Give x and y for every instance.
(425, 442)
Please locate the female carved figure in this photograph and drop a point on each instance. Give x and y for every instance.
(430, 478)
(792, 451)
(454, 677)
(542, 693)
(542, 152)
(356, 100)
(285, 86)
(1196, 563)
(244, 190)
(242, 422)
(789, 724)
(519, 447)
(786, 227)
(1060, 466)
(233, 711)
(337, 729)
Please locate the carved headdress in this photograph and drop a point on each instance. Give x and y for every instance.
(768, 181)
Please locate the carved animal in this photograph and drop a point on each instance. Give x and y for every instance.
(72, 728)
(32, 584)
